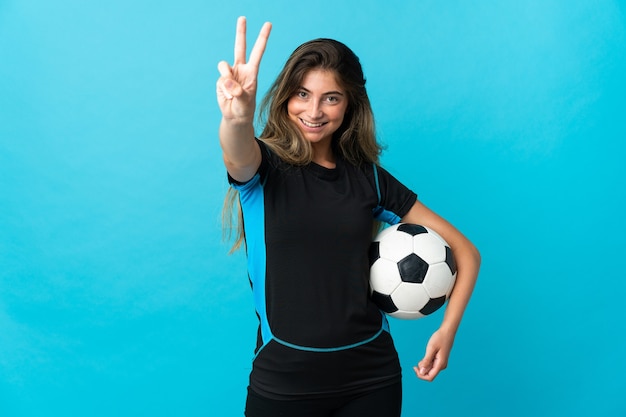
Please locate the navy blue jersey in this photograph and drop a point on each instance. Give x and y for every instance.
(308, 230)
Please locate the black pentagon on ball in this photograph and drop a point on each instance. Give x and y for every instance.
(433, 305)
(412, 229)
(412, 268)
(450, 260)
(384, 302)
(374, 252)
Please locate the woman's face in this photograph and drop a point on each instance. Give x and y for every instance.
(318, 106)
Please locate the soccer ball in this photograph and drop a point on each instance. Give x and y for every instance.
(412, 271)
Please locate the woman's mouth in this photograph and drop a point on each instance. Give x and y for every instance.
(312, 125)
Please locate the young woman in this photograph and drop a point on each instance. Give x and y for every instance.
(307, 193)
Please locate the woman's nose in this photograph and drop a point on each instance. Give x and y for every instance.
(315, 110)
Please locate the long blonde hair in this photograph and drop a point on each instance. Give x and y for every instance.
(355, 140)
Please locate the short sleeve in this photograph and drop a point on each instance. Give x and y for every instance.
(395, 199)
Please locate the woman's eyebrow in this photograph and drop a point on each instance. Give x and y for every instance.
(324, 94)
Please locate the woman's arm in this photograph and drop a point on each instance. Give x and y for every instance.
(236, 96)
(467, 260)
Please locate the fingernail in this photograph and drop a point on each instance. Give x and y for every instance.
(227, 94)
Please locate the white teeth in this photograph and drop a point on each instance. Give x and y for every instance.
(307, 124)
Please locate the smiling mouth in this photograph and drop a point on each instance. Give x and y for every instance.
(313, 125)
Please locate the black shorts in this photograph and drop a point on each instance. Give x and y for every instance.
(383, 402)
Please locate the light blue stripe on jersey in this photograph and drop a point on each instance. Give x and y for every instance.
(333, 349)
(253, 208)
(380, 213)
(386, 216)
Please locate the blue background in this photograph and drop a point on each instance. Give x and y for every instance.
(117, 296)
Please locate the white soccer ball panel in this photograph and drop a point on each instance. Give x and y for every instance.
(410, 297)
(384, 276)
(431, 231)
(406, 315)
(396, 246)
(429, 248)
(439, 280)
(389, 230)
(451, 287)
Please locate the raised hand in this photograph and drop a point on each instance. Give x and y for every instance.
(237, 85)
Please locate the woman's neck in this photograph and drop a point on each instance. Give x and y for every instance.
(323, 155)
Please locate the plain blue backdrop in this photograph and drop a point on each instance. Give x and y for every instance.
(117, 296)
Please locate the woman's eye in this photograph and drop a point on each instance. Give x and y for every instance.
(301, 94)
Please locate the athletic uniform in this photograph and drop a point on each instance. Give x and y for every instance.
(308, 230)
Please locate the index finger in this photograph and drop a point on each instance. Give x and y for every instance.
(240, 41)
(259, 46)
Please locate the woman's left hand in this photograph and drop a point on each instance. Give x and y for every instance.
(436, 358)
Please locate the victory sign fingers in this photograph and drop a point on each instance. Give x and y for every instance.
(239, 80)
